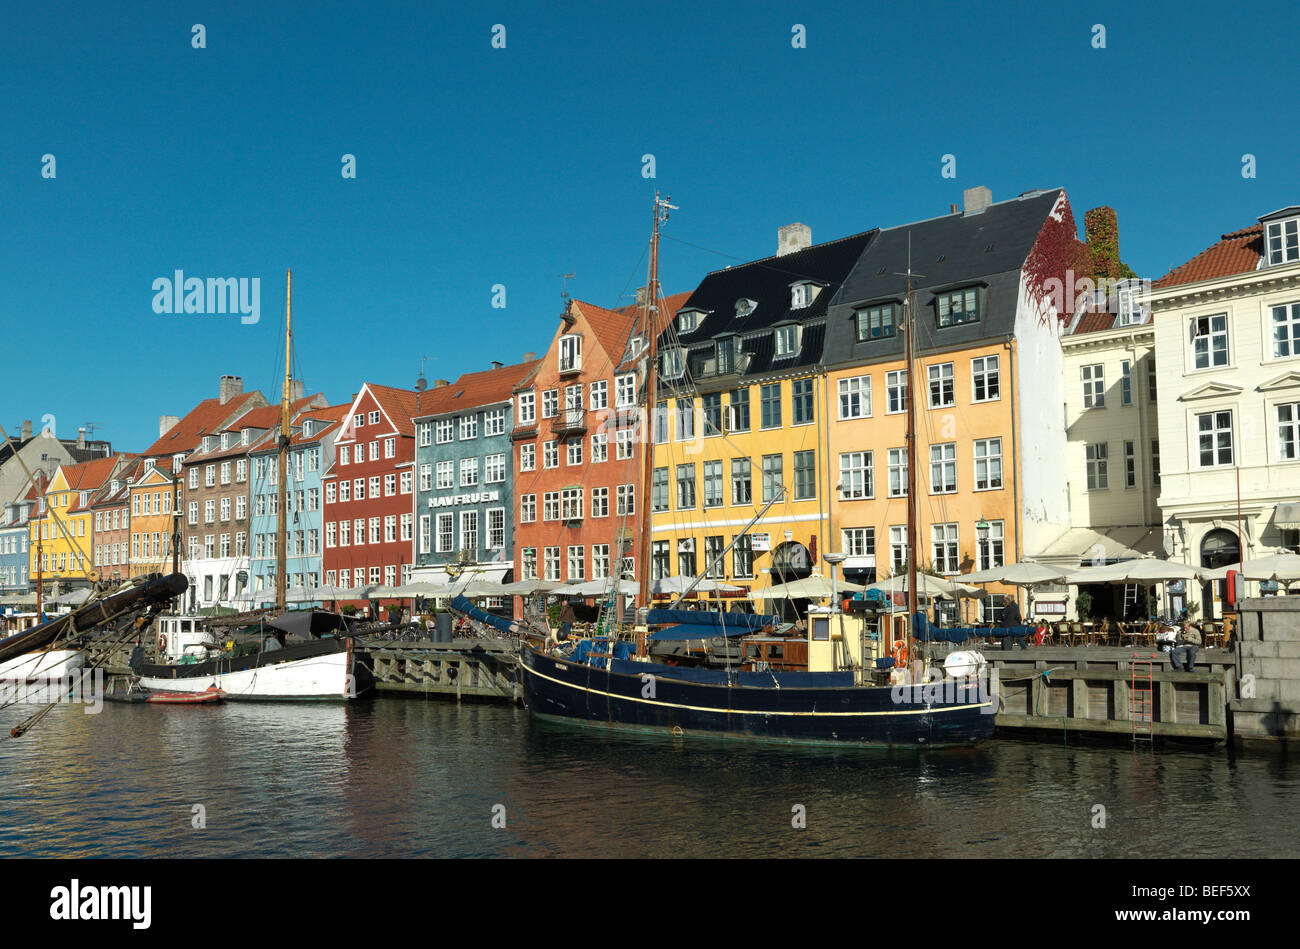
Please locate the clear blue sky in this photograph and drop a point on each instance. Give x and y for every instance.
(478, 166)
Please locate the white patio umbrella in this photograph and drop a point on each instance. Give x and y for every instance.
(1143, 570)
(1283, 566)
(423, 589)
(1023, 573)
(600, 588)
(674, 585)
(530, 587)
(364, 591)
(814, 587)
(329, 592)
(925, 584)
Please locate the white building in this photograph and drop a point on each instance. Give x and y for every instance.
(1227, 342)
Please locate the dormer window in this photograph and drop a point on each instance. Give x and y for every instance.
(744, 307)
(209, 442)
(245, 436)
(688, 321)
(1282, 241)
(1130, 306)
(726, 356)
(960, 306)
(674, 364)
(635, 347)
(308, 426)
(876, 321)
(802, 294)
(787, 340)
(570, 353)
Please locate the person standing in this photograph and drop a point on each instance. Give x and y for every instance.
(566, 617)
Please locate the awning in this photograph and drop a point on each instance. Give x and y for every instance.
(1287, 516)
(1085, 545)
(860, 562)
(487, 573)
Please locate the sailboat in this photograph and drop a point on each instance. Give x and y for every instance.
(610, 681)
(193, 658)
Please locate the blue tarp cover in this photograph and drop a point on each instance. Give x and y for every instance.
(462, 605)
(922, 628)
(728, 621)
(696, 631)
(786, 680)
(582, 652)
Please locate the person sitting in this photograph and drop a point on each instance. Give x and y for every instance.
(1183, 654)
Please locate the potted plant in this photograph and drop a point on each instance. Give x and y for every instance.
(1083, 606)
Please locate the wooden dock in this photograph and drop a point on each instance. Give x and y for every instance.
(480, 669)
(1087, 689)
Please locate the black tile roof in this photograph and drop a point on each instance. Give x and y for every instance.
(986, 250)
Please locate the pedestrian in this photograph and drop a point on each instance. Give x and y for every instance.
(1183, 655)
(1011, 620)
(566, 617)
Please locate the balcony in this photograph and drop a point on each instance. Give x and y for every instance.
(570, 422)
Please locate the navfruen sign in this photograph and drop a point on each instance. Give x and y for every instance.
(478, 497)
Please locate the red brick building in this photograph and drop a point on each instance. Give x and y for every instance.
(369, 507)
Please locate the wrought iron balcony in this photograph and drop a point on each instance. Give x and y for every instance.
(569, 422)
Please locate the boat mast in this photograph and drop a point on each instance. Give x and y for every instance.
(650, 327)
(280, 526)
(909, 309)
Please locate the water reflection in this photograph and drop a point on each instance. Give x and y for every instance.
(408, 778)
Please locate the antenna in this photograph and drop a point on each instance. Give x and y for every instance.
(564, 287)
(421, 383)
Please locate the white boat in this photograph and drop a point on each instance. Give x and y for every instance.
(192, 658)
(42, 664)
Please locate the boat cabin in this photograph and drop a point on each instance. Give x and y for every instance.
(182, 639)
(774, 653)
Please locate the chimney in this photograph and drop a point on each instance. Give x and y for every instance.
(166, 423)
(976, 199)
(230, 387)
(295, 390)
(792, 237)
(640, 296)
(27, 428)
(439, 383)
(81, 438)
(497, 364)
(952, 209)
(530, 356)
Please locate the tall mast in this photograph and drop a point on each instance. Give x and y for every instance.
(650, 327)
(280, 528)
(909, 323)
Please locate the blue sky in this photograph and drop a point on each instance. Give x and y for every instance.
(478, 166)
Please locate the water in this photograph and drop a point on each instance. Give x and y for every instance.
(409, 777)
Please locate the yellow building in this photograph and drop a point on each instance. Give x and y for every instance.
(62, 530)
(155, 496)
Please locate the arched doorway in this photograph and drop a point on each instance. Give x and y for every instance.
(1219, 548)
(790, 561)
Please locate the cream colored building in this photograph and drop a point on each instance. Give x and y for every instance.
(1227, 341)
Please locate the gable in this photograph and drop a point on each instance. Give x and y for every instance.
(1211, 390)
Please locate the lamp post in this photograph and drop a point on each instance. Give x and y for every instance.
(982, 539)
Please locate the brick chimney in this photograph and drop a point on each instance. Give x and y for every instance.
(530, 356)
(496, 364)
(295, 390)
(27, 428)
(166, 423)
(230, 387)
(792, 237)
(976, 199)
(81, 438)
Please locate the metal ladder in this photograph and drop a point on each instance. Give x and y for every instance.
(1130, 598)
(1141, 695)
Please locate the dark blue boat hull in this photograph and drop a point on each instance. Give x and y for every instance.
(871, 716)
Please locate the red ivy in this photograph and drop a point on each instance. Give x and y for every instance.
(1057, 252)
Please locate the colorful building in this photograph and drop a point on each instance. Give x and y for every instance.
(369, 490)
(111, 510)
(15, 534)
(464, 500)
(62, 529)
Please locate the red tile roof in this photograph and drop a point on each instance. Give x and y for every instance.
(1238, 252)
(476, 388)
(204, 419)
(398, 404)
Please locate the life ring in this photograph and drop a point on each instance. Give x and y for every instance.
(900, 652)
(162, 642)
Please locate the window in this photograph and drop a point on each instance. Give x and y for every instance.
(943, 468)
(623, 444)
(801, 402)
(496, 528)
(1214, 438)
(1155, 462)
(770, 405)
(494, 469)
(599, 561)
(1286, 330)
(772, 476)
(988, 464)
(577, 563)
(345, 489)
(856, 475)
(687, 321)
(985, 382)
(551, 454)
(527, 408)
(715, 567)
(494, 423)
(625, 391)
(787, 340)
(858, 541)
(571, 504)
(374, 487)
(527, 508)
(855, 397)
(712, 412)
(225, 472)
(942, 391)
(550, 403)
(527, 457)
(374, 451)
(446, 533)
(1130, 465)
(674, 364)
(741, 481)
(1125, 383)
(1096, 459)
(446, 476)
(685, 419)
(738, 411)
(469, 530)
(210, 476)
(686, 557)
(626, 500)
(599, 447)
(659, 563)
(404, 481)
(989, 553)
(742, 557)
(876, 322)
(469, 426)
(424, 436)
(374, 530)
(551, 506)
(599, 395)
(944, 540)
(1094, 386)
(1210, 341)
(573, 453)
(1288, 431)
(570, 353)
(390, 450)
(528, 563)
(685, 487)
(725, 356)
(957, 307)
(712, 484)
(898, 472)
(600, 502)
(896, 391)
(659, 490)
(1283, 241)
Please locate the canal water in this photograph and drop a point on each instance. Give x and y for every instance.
(408, 778)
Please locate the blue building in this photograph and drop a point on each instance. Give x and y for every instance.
(311, 452)
(464, 500)
(15, 563)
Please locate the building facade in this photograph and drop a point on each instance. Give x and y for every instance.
(1227, 343)
(62, 528)
(111, 512)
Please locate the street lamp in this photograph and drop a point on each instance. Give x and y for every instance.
(834, 560)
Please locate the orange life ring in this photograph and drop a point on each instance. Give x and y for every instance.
(900, 652)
